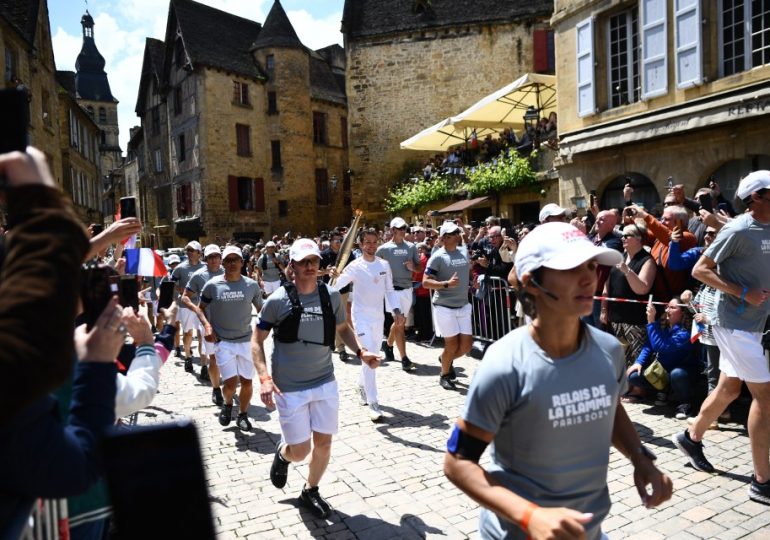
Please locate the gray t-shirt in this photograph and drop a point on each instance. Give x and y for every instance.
(301, 366)
(742, 253)
(552, 421)
(270, 272)
(199, 278)
(441, 266)
(229, 306)
(181, 276)
(397, 255)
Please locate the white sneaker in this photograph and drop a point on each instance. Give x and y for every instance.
(375, 414)
(362, 396)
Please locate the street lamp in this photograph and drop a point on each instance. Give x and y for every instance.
(531, 118)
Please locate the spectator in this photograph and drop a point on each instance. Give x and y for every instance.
(423, 317)
(552, 212)
(604, 236)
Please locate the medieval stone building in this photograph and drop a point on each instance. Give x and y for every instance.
(412, 63)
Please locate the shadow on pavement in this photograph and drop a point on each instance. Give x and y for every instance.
(402, 419)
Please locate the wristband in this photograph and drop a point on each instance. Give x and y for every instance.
(360, 353)
(524, 521)
(264, 378)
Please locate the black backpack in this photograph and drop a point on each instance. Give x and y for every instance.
(287, 331)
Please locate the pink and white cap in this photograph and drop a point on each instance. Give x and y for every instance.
(303, 247)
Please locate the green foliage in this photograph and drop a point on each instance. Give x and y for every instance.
(416, 194)
(510, 172)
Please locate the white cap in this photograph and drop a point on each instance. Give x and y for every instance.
(560, 246)
(303, 247)
(448, 227)
(195, 245)
(173, 259)
(270, 244)
(753, 182)
(232, 250)
(211, 249)
(397, 222)
(551, 209)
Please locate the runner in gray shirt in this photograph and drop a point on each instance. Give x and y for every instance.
(547, 396)
(403, 259)
(269, 269)
(186, 318)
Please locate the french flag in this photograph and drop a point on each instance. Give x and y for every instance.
(144, 262)
(696, 331)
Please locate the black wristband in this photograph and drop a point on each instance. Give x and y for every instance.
(360, 353)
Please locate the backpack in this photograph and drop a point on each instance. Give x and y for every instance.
(287, 331)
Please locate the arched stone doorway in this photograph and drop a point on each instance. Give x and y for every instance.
(645, 192)
(729, 175)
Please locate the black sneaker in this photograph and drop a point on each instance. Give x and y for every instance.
(451, 373)
(312, 500)
(216, 397)
(682, 411)
(178, 352)
(188, 367)
(445, 382)
(243, 422)
(204, 376)
(693, 450)
(344, 356)
(388, 350)
(226, 416)
(759, 492)
(406, 364)
(279, 470)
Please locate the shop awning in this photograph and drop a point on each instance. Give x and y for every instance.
(713, 111)
(459, 206)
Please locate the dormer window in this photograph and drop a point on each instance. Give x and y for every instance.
(270, 62)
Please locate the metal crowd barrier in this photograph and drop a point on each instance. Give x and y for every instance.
(47, 521)
(493, 309)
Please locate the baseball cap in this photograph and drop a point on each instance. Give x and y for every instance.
(270, 244)
(448, 227)
(397, 222)
(232, 250)
(303, 247)
(753, 182)
(212, 249)
(551, 209)
(173, 259)
(194, 245)
(560, 246)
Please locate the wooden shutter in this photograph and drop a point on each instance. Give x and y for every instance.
(654, 44)
(232, 189)
(259, 195)
(688, 39)
(585, 68)
(540, 44)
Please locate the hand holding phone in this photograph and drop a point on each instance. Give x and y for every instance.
(127, 207)
(706, 202)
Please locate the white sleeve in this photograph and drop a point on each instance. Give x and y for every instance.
(344, 278)
(138, 387)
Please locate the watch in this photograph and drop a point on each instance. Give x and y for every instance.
(644, 451)
(446, 285)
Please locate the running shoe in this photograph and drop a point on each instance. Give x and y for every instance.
(362, 396)
(759, 492)
(243, 422)
(406, 364)
(204, 376)
(693, 451)
(344, 356)
(226, 415)
(188, 367)
(446, 382)
(452, 374)
(312, 500)
(388, 350)
(216, 397)
(375, 413)
(682, 411)
(279, 470)
(661, 399)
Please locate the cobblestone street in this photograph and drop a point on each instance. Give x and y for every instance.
(385, 480)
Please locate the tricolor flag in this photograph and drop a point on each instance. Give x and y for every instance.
(144, 262)
(697, 331)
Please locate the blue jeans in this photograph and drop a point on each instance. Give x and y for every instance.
(680, 383)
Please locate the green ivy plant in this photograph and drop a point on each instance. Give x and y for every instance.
(417, 194)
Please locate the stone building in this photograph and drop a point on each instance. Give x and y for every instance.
(79, 152)
(411, 63)
(256, 127)
(27, 60)
(692, 104)
(94, 95)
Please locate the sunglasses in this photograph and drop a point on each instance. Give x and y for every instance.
(307, 262)
(710, 233)
(630, 236)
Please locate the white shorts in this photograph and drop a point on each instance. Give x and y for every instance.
(207, 347)
(405, 301)
(271, 287)
(188, 320)
(742, 355)
(369, 328)
(306, 411)
(234, 360)
(450, 322)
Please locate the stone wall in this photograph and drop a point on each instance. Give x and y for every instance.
(397, 86)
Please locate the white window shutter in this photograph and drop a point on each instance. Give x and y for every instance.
(689, 67)
(654, 43)
(586, 99)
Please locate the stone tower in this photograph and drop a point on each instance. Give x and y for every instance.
(94, 95)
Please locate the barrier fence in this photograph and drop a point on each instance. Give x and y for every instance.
(493, 309)
(48, 520)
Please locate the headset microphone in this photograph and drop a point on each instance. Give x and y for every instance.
(546, 291)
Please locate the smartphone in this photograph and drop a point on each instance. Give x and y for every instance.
(706, 202)
(98, 283)
(127, 207)
(166, 294)
(128, 292)
(97, 228)
(157, 483)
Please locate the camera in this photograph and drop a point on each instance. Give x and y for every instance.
(477, 253)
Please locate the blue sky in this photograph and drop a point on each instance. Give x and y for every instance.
(121, 27)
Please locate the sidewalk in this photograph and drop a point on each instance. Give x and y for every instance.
(385, 480)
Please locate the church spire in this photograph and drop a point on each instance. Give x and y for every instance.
(90, 78)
